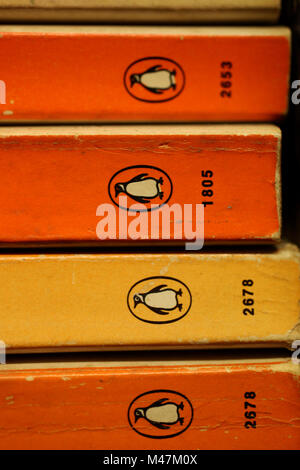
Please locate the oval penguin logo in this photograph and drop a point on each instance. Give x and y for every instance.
(159, 299)
(154, 79)
(160, 414)
(143, 184)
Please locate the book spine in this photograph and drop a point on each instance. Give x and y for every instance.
(254, 406)
(143, 74)
(112, 181)
(121, 301)
(179, 11)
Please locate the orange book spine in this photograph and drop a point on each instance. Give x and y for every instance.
(75, 73)
(241, 404)
(91, 185)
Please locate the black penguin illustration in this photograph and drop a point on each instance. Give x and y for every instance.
(160, 299)
(142, 188)
(155, 79)
(161, 414)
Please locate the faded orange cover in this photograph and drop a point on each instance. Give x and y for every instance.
(122, 73)
(155, 403)
(58, 184)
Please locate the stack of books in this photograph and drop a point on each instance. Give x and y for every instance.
(146, 298)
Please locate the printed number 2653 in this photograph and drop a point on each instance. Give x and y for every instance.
(226, 79)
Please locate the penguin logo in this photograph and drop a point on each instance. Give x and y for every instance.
(143, 184)
(159, 300)
(154, 79)
(160, 414)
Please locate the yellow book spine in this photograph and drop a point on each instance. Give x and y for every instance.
(129, 301)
